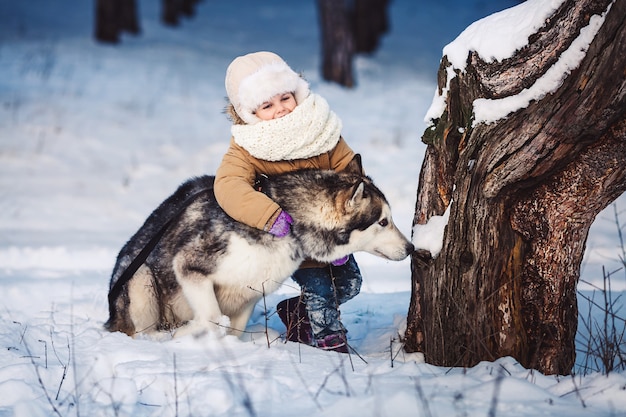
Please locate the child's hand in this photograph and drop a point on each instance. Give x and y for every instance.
(282, 225)
(340, 261)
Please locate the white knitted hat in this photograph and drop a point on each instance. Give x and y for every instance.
(253, 79)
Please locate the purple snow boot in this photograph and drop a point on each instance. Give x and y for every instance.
(293, 314)
(334, 342)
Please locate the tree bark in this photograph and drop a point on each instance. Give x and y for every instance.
(524, 191)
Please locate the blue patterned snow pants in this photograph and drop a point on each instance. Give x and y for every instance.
(324, 289)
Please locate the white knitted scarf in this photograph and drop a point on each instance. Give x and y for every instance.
(309, 130)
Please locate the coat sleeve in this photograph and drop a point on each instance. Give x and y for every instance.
(234, 191)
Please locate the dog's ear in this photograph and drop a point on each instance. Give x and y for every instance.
(357, 195)
(355, 166)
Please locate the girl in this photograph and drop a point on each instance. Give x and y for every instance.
(280, 126)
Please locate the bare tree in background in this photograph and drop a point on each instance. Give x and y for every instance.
(524, 192)
(173, 10)
(114, 17)
(337, 42)
(369, 23)
(349, 27)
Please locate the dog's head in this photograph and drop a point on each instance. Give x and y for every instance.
(336, 214)
(368, 225)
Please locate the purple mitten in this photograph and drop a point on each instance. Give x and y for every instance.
(340, 261)
(282, 225)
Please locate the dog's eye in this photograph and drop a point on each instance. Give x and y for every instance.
(383, 222)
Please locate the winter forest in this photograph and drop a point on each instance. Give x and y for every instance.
(94, 135)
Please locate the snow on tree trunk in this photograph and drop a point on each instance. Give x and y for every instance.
(527, 148)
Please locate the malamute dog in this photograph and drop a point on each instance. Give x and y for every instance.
(207, 267)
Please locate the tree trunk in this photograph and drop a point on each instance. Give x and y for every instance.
(524, 191)
(369, 23)
(337, 42)
(172, 10)
(349, 27)
(113, 17)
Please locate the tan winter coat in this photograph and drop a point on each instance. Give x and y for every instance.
(238, 170)
(235, 177)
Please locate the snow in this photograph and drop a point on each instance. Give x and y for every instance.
(490, 110)
(494, 38)
(94, 137)
(499, 36)
(430, 236)
(438, 105)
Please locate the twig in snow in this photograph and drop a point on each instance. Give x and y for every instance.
(175, 386)
(45, 349)
(73, 354)
(577, 391)
(267, 336)
(340, 371)
(239, 387)
(496, 392)
(422, 397)
(39, 380)
(64, 365)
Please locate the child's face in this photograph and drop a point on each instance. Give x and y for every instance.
(278, 106)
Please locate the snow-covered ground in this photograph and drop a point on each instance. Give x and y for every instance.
(93, 137)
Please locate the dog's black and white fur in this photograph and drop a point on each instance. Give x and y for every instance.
(208, 271)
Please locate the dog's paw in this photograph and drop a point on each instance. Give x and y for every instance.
(200, 328)
(196, 329)
(223, 325)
